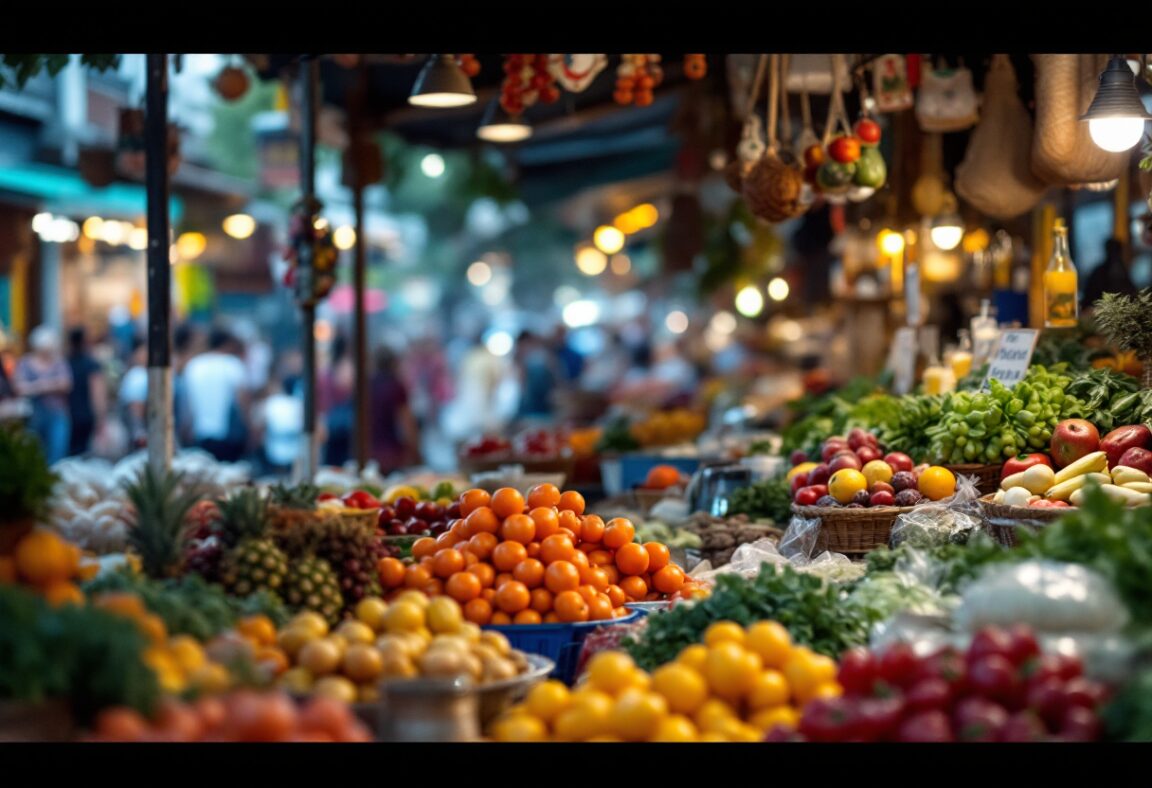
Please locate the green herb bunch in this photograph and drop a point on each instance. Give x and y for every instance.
(1124, 321)
(26, 481)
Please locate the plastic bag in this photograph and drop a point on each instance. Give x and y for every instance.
(947, 101)
(950, 519)
(800, 537)
(1049, 596)
(749, 558)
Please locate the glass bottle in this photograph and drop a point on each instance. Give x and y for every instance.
(961, 360)
(1061, 304)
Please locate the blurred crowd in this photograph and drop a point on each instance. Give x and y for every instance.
(238, 400)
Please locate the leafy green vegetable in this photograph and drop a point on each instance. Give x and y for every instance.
(1123, 320)
(1099, 389)
(1128, 717)
(88, 656)
(812, 611)
(953, 565)
(26, 482)
(617, 437)
(771, 499)
(827, 414)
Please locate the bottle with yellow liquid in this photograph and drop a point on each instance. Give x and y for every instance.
(1061, 304)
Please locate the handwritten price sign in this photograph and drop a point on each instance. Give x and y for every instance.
(1013, 354)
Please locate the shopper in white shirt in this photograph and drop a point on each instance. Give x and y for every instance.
(217, 398)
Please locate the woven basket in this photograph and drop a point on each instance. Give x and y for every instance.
(1003, 520)
(852, 531)
(987, 476)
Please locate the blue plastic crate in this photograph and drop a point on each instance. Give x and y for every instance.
(634, 467)
(561, 643)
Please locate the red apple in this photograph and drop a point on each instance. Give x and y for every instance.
(881, 487)
(868, 453)
(798, 457)
(899, 461)
(1023, 462)
(819, 475)
(1072, 439)
(856, 438)
(845, 460)
(798, 481)
(1121, 439)
(882, 498)
(1140, 459)
(831, 447)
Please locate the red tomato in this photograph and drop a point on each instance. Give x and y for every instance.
(867, 131)
(808, 496)
(844, 149)
(1024, 462)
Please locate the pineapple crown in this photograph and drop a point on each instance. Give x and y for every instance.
(299, 496)
(160, 531)
(243, 515)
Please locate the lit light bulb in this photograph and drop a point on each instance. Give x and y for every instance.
(608, 239)
(946, 235)
(432, 165)
(891, 242)
(591, 261)
(676, 322)
(344, 237)
(239, 226)
(479, 273)
(1116, 134)
(778, 289)
(749, 301)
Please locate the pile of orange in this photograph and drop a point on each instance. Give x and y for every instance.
(540, 559)
(50, 565)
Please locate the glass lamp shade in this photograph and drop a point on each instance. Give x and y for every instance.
(498, 126)
(1116, 115)
(442, 83)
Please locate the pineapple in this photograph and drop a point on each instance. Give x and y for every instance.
(313, 585)
(252, 561)
(159, 532)
(301, 496)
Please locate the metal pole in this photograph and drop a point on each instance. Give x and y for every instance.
(361, 328)
(159, 409)
(305, 263)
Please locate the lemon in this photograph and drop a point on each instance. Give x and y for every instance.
(403, 616)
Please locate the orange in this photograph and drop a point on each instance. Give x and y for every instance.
(587, 547)
(501, 619)
(632, 559)
(806, 671)
(424, 546)
(63, 592)
(731, 670)
(488, 594)
(637, 713)
(483, 519)
(277, 660)
(530, 572)
(502, 578)
(936, 482)
(446, 563)
(485, 573)
(674, 728)
(434, 587)
(612, 572)
(417, 577)
(575, 529)
(469, 557)
(592, 528)
(721, 631)
(771, 641)
(580, 560)
(669, 580)
(683, 688)
(533, 549)
(768, 718)
(43, 558)
(588, 716)
(662, 476)
(616, 595)
(551, 618)
(769, 689)
(446, 539)
(122, 603)
(561, 576)
(463, 587)
(571, 501)
(471, 500)
(610, 671)
(634, 587)
(544, 495)
(588, 592)
(570, 606)
(569, 520)
(507, 555)
(527, 616)
(259, 629)
(658, 556)
(541, 600)
(391, 571)
(518, 528)
(460, 530)
(546, 520)
(513, 596)
(478, 611)
(121, 724)
(547, 700)
(557, 547)
(618, 532)
(594, 576)
(599, 608)
(506, 502)
(482, 544)
(600, 557)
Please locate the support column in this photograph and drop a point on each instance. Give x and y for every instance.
(305, 265)
(159, 410)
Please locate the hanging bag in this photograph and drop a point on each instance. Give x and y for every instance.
(773, 187)
(947, 101)
(996, 175)
(1063, 153)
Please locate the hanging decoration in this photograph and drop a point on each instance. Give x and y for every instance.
(231, 83)
(310, 238)
(130, 143)
(773, 188)
(636, 77)
(891, 84)
(947, 100)
(751, 146)
(469, 65)
(850, 166)
(576, 72)
(527, 79)
(695, 66)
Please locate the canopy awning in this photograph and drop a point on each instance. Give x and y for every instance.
(64, 192)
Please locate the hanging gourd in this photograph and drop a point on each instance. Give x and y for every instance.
(636, 77)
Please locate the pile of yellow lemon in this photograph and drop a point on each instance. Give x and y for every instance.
(734, 687)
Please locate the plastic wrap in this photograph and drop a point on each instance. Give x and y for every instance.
(749, 558)
(1049, 596)
(950, 519)
(800, 537)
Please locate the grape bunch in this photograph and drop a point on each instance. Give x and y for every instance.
(979, 427)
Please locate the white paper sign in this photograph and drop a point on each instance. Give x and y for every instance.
(902, 360)
(1012, 355)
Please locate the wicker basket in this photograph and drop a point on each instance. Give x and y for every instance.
(987, 476)
(852, 531)
(1003, 520)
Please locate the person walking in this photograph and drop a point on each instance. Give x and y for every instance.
(336, 391)
(280, 419)
(133, 396)
(395, 438)
(44, 377)
(216, 390)
(88, 399)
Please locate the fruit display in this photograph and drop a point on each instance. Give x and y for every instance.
(405, 515)
(719, 537)
(1081, 463)
(240, 716)
(1001, 688)
(771, 499)
(668, 427)
(663, 477)
(413, 635)
(686, 536)
(855, 473)
(735, 685)
(516, 559)
(851, 159)
(44, 563)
